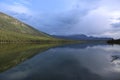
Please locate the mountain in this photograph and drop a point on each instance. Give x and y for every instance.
(80, 37)
(13, 30)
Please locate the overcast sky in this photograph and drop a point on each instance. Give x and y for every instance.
(64, 17)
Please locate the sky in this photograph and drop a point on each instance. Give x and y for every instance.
(99, 18)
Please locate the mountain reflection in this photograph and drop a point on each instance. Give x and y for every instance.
(83, 45)
(13, 54)
(65, 62)
(54, 64)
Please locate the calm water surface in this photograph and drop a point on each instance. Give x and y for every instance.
(70, 62)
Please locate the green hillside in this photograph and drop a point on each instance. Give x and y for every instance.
(13, 30)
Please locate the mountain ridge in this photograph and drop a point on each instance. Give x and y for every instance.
(17, 25)
(13, 30)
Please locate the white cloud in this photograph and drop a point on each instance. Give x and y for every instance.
(26, 2)
(19, 9)
(16, 7)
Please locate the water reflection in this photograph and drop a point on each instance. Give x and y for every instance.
(69, 63)
(13, 54)
(83, 45)
(115, 58)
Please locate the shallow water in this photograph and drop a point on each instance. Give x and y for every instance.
(68, 62)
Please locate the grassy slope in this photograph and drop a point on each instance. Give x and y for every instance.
(13, 30)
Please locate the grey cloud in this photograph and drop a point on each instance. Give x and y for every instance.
(116, 25)
(64, 23)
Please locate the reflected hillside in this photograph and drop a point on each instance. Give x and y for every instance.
(13, 54)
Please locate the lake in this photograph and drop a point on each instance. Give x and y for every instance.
(95, 61)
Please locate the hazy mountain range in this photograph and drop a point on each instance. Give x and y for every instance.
(81, 37)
